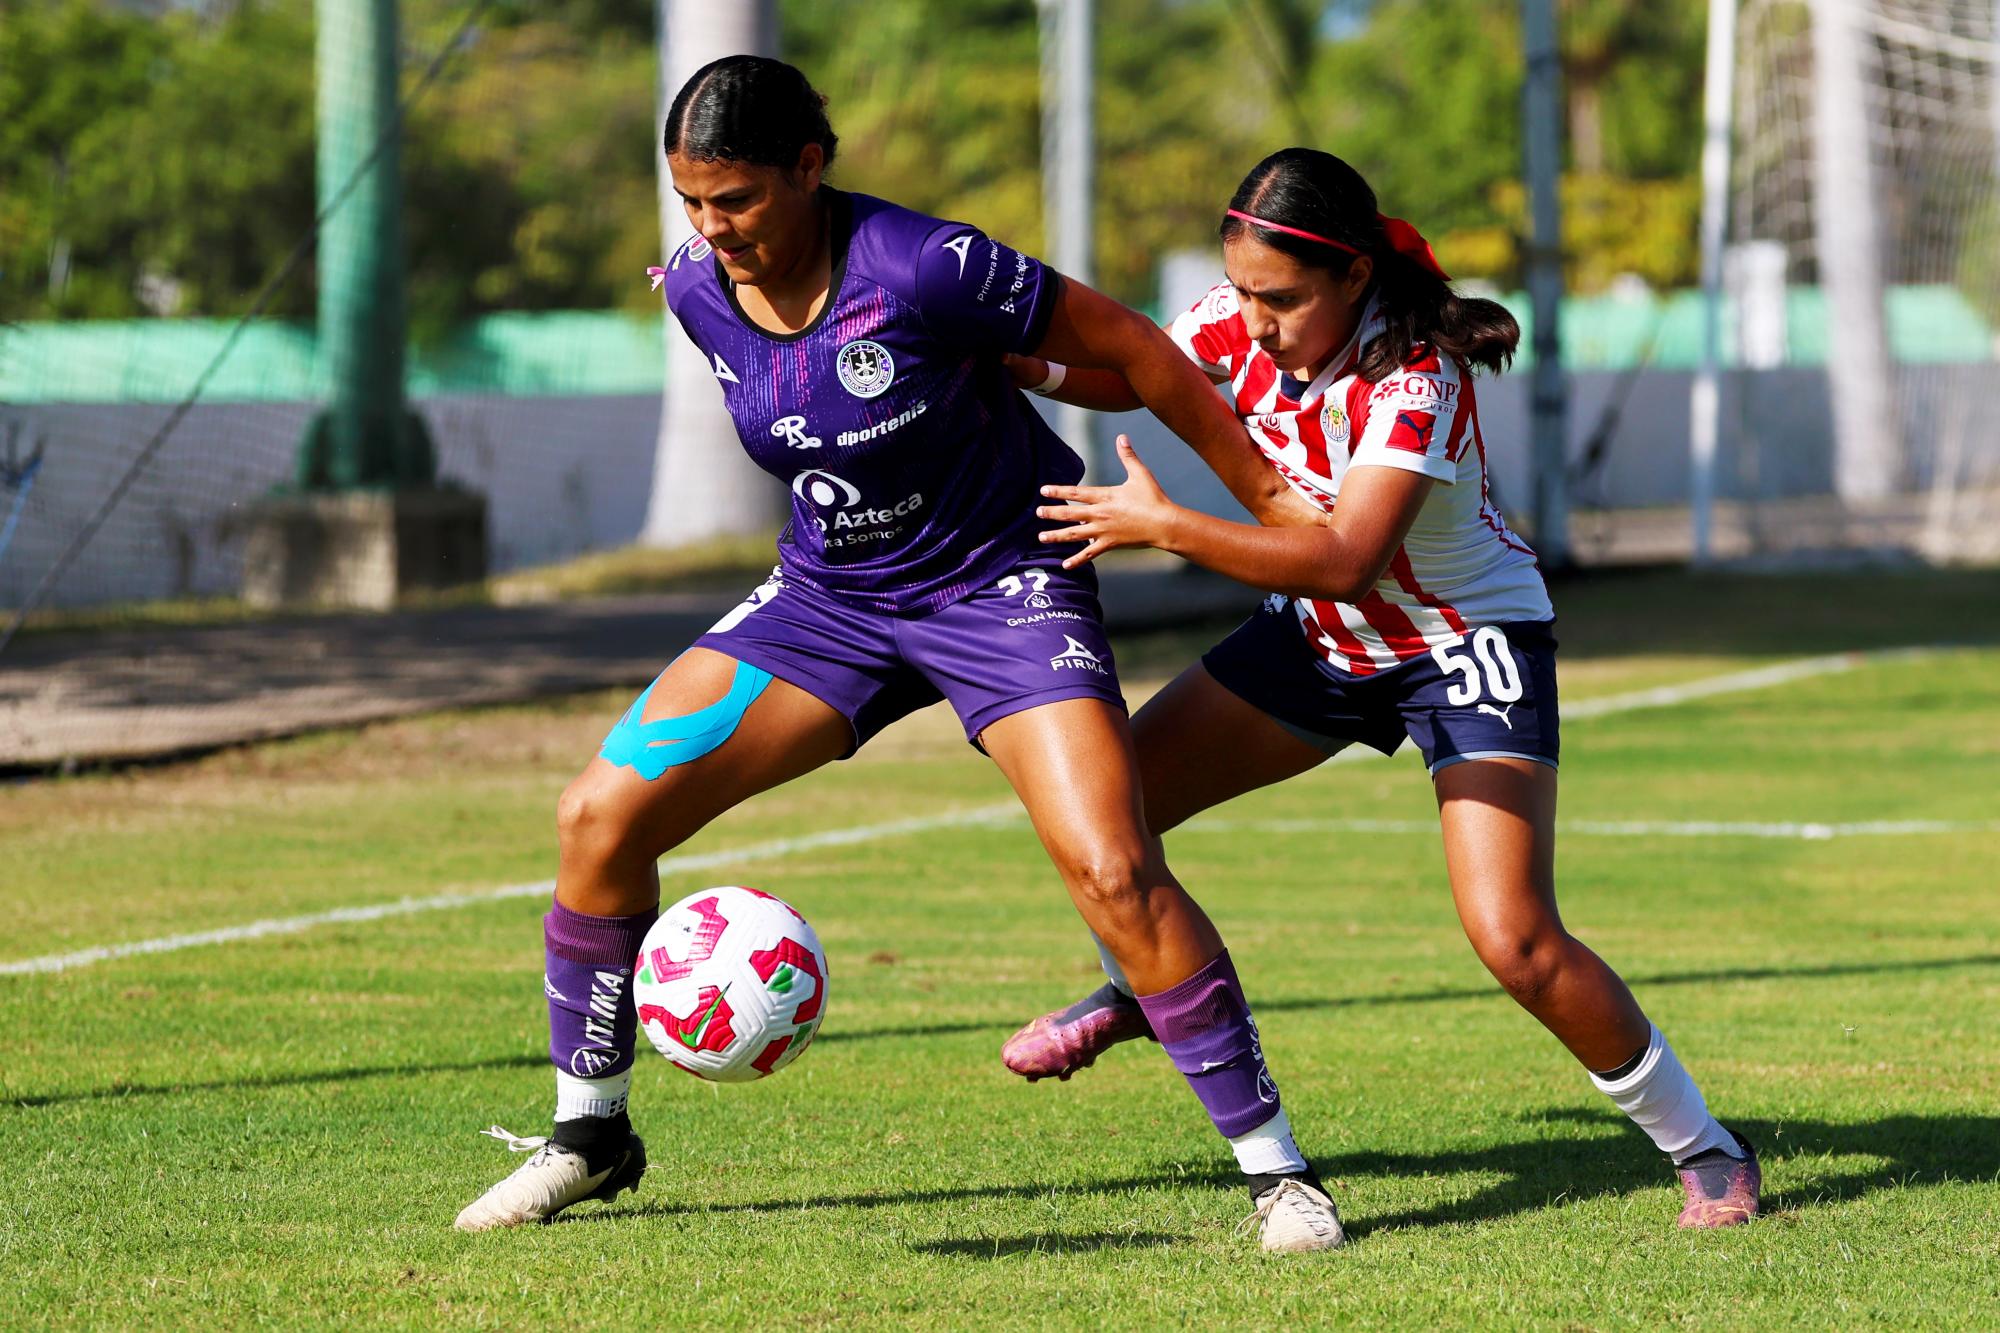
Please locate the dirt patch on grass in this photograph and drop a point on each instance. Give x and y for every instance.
(547, 742)
(544, 743)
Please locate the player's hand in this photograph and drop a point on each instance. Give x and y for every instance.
(1137, 513)
(1025, 371)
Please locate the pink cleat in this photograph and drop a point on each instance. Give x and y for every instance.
(1722, 1191)
(1057, 1045)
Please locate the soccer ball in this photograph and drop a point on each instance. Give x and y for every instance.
(730, 984)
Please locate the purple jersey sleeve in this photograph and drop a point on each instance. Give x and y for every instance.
(978, 294)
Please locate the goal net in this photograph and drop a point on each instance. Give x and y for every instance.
(1863, 278)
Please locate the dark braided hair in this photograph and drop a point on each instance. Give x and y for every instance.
(1319, 193)
(748, 109)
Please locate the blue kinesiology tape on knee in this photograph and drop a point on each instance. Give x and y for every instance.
(651, 748)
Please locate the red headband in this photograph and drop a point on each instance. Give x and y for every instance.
(1404, 239)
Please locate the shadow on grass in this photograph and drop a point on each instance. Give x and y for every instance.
(1294, 1005)
(1908, 1150)
(1448, 994)
(1536, 1173)
(1054, 1243)
(258, 1082)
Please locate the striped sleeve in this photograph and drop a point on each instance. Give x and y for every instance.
(1211, 333)
(1416, 420)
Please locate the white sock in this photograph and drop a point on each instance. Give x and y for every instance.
(579, 1097)
(1111, 968)
(1662, 1100)
(1268, 1150)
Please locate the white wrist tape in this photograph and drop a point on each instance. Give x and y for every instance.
(1057, 373)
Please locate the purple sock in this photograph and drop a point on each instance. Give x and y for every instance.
(1205, 1025)
(588, 976)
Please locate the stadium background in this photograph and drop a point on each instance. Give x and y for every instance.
(259, 996)
(158, 168)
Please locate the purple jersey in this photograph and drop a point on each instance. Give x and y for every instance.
(915, 465)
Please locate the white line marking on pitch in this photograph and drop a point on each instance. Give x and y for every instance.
(726, 856)
(1758, 678)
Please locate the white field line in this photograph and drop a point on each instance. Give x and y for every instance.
(1665, 696)
(727, 856)
(1757, 678)
(1619, 828)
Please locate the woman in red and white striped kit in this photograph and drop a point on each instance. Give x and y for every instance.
(1409, 610)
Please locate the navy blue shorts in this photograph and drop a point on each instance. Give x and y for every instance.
(1490, 696)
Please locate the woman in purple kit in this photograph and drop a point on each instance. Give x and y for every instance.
(859, 348)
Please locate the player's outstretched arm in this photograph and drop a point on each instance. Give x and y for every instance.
(1338, 562)
(1091, 332)
(1097, 390)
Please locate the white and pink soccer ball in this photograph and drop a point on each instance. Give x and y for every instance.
(730, 984)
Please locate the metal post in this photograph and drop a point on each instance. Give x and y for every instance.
(1993, 80)
(366, 436)
(1705, 400)
(1068, 73)
(1866, 427)
(1548, 389)
(703, 484)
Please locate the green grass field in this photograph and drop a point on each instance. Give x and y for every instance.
(279, 1131)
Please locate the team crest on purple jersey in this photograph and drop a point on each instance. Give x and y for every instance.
(914, 464)
(865, 368)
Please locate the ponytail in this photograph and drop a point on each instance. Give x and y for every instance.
(1419, 309)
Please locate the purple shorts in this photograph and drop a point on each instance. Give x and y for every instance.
(1035, 636)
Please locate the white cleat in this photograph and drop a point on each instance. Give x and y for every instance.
(548, 1182)
(1294, 1218)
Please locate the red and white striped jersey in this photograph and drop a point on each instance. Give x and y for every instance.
(1460, 567)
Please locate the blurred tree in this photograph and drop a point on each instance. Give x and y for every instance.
(1614, 225)
(939, 108)
(200, 190)
(63, 69)
(1425, 100)
(1632, 74)
(164, 164)
(588, 19)
(1183, 113)
(530, 173)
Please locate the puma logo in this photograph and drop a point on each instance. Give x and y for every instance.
(1500, 713)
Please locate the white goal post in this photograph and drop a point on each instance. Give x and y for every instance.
(1860, 141)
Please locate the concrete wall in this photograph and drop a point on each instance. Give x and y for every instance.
(569, 475)
(561, 475)
(1780, 447)
(1776, 435)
